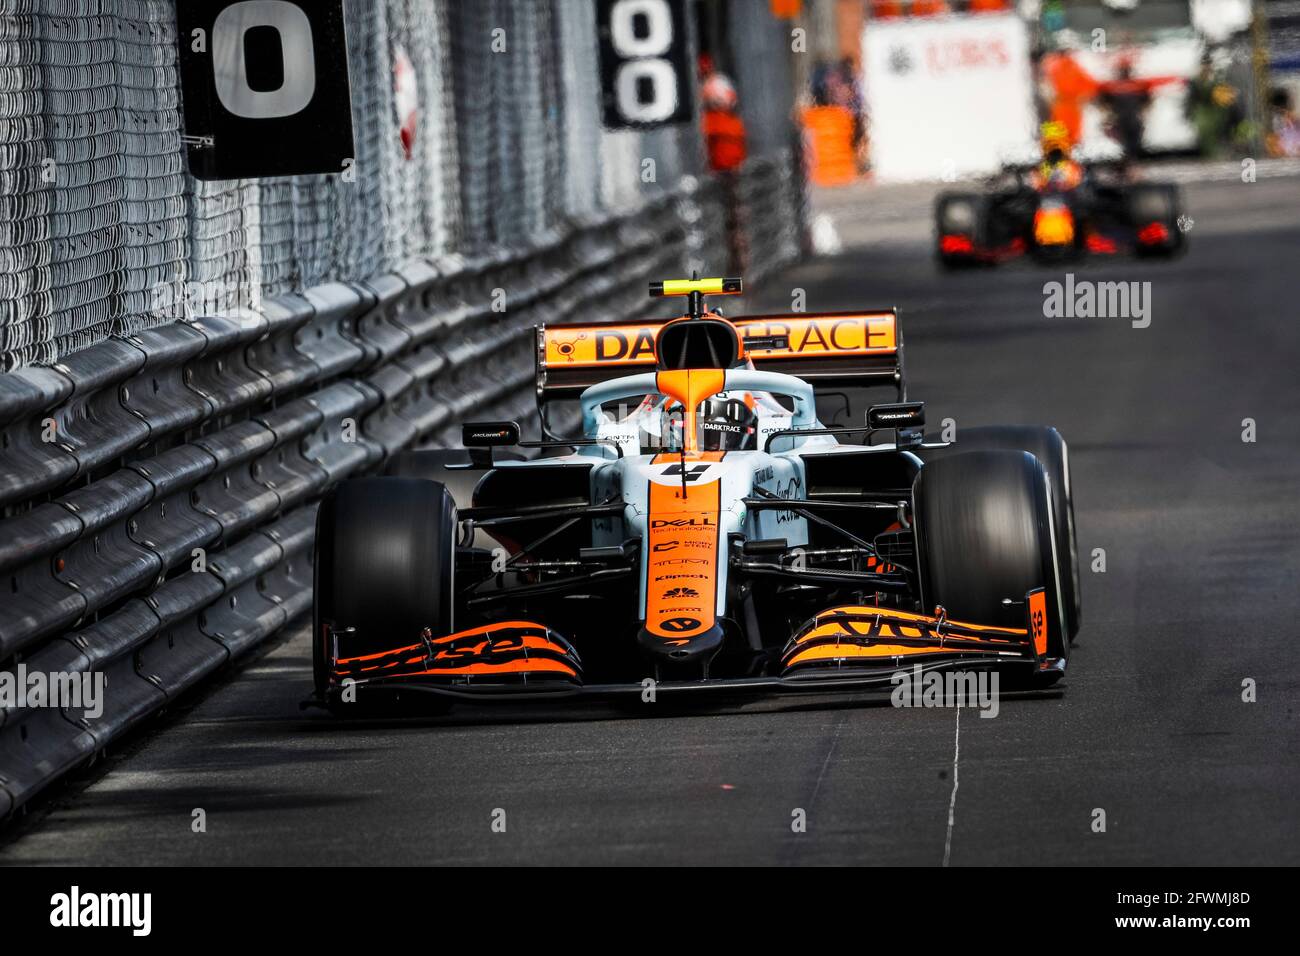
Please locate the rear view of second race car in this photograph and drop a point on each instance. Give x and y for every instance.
(1059, 210)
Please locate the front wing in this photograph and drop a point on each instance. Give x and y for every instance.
(841, 649)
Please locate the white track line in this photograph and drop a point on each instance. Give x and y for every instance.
(827, 762)
(952, 801)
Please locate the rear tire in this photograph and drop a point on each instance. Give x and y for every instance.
(984, 533)
(958, 214)
(385, 557)
(1157, 203)
(1047, 445)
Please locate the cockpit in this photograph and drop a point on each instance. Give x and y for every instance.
(725, 421)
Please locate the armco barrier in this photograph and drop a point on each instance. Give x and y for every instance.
(769, 213)
(159, 489)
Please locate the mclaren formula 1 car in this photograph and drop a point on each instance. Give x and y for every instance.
(704, 530)
(1065, 212)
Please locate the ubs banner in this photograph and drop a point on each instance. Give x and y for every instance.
(947, 97)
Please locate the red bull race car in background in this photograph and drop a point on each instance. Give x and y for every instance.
(700, 528)
(1058, 211)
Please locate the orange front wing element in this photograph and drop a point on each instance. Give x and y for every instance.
(854, 636)
(512, 650)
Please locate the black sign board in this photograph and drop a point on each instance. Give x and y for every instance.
(265, 87)
(645, 75)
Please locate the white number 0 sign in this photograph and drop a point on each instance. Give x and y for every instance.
(230, 64)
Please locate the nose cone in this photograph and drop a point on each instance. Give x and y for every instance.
(697, 648)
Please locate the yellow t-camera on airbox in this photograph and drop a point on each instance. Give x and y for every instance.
(720, 286)
(697, 289)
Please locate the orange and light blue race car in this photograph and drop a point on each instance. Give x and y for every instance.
(699, 528)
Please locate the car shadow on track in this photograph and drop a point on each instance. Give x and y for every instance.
(520, 714)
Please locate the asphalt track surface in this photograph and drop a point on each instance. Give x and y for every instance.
(1200, 593)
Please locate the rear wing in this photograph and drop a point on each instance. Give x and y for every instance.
(829, 350)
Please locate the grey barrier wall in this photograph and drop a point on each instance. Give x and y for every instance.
(161, 456)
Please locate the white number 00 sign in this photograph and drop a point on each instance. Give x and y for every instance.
(645, 66)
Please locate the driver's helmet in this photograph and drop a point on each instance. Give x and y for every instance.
(727, 424)
(1057, 170)
(723, 423)
(1054, 137)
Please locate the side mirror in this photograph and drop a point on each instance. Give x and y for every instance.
(900, 415)
(481, 437)
(905, 418)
